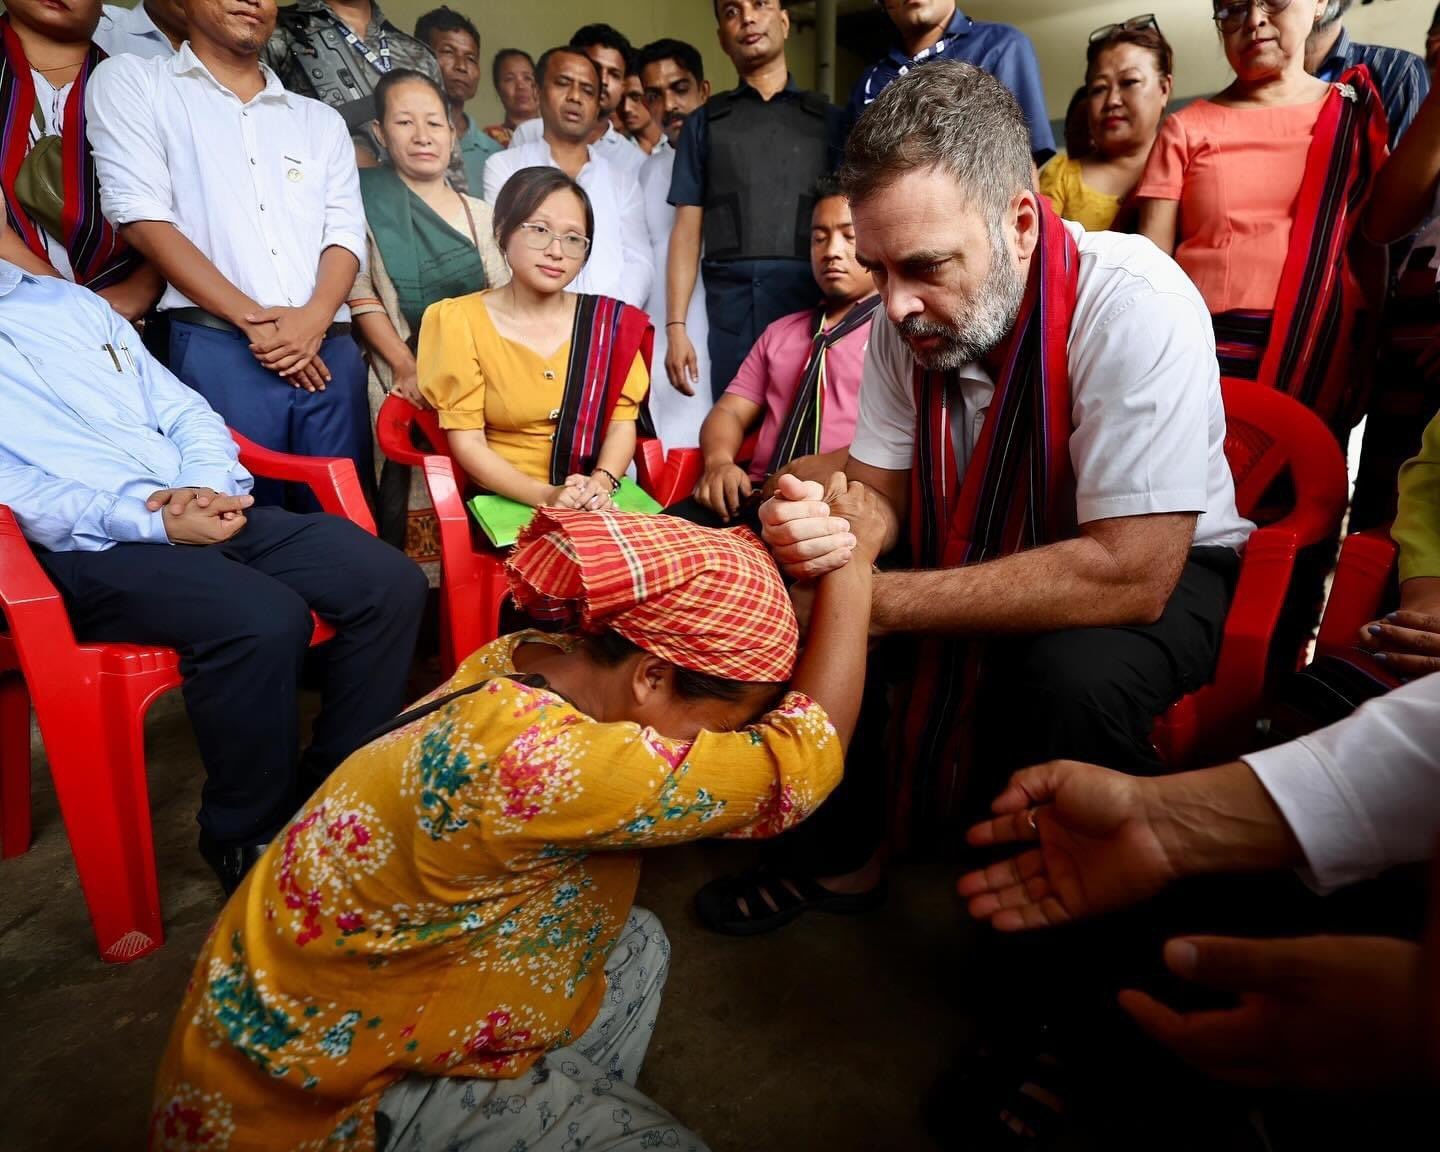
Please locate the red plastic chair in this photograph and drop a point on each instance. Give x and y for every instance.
(472, 577)
(90, 701)
(685, 466)
(1362, 582)
(1267, 434)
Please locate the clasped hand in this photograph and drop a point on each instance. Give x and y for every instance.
(813, 530)
(287, 341)
(199, 515)
(586, 493)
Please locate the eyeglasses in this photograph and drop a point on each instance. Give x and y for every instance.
(1232, 17)
(1134, 24)
(539, 237)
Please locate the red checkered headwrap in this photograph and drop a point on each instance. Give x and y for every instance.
(708, 600)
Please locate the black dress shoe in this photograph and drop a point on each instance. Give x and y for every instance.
(230, 861)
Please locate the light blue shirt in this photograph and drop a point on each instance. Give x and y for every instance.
(84, 444)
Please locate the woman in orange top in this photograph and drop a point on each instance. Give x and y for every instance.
(441, 946)
(539, 389)
(1256, 193)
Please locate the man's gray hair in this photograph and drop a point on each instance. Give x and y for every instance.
(1332, 10)
(949, 116)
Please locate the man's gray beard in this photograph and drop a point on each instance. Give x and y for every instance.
(967, 339)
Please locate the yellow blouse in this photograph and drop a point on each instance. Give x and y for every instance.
(1075, 200)
(477, 378)
(444, 904)
(1417, 521)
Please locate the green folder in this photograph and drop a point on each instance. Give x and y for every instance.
(502, 519)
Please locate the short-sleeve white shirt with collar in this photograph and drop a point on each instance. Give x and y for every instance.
(613, 146)
(1148, 423)
(261, 188)
(620, 263)
(130, 32)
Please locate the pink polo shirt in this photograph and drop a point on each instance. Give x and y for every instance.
(771, 373)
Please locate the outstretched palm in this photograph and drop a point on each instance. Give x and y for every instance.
(1097, 849)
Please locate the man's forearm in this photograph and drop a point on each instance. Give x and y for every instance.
(721, 436)
(188, 269)
(683, 264)
(333, 280)
(1219, 820)
(1071, 584)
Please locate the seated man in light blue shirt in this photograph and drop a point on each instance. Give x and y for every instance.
(106, 461)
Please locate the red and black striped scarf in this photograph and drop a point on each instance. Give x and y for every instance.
(1305, 351)
(603, 345)
(1018, 492)
(800, 434)
(98, 256)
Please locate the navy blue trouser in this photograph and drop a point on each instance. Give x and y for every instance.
(239, 615)
(742, 299)
(273, 412)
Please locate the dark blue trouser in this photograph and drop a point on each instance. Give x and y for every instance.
(274, 413)
(742, 299)
(239, 615)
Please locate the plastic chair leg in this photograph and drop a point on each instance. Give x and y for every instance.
(97, 759)
(14, 766)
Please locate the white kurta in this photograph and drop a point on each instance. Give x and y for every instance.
(677, 417)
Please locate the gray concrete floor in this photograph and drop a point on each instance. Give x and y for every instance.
(821, 1036)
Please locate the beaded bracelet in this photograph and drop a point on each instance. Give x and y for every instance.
(614, 483)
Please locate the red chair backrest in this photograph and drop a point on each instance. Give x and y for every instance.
(1268, 434)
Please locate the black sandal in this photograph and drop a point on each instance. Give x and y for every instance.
(763, 899)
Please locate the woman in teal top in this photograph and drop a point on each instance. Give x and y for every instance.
(427, 242)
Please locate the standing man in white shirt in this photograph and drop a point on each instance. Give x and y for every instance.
(246, 198)
(673, 77)
(620, 257)
(612, 54)
(151, 28)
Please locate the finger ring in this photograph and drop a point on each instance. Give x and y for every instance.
(1030, 819)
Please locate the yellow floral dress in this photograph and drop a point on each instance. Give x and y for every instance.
(445, 903)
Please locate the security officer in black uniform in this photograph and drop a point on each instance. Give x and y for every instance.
(745, 171)
(336, 51)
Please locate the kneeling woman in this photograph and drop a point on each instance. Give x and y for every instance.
(538, 389)
(441, 947)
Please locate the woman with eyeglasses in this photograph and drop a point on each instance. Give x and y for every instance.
(1257, 193)
(1127, 86)
(425, 242)
(539, 389)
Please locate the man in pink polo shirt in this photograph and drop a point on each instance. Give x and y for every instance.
(800, 383)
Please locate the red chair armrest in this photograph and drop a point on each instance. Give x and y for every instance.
(683, 468)
(651, 471)
(1239, 683)
(392, 432)
(34, 610)
(1358, 592)
(458, 559)
(334, 481)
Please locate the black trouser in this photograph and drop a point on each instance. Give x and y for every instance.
(239, 615)
(692, 510)
(1089, 694)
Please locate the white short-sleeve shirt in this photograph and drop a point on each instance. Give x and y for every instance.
(261, 187)
(130, 32)
(1147, 420)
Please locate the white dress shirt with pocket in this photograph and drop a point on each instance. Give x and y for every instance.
(262, 188)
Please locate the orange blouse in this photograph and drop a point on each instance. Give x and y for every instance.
(1236, 173)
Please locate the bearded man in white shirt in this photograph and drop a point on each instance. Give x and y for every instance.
(246, 198)
(620, 258)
